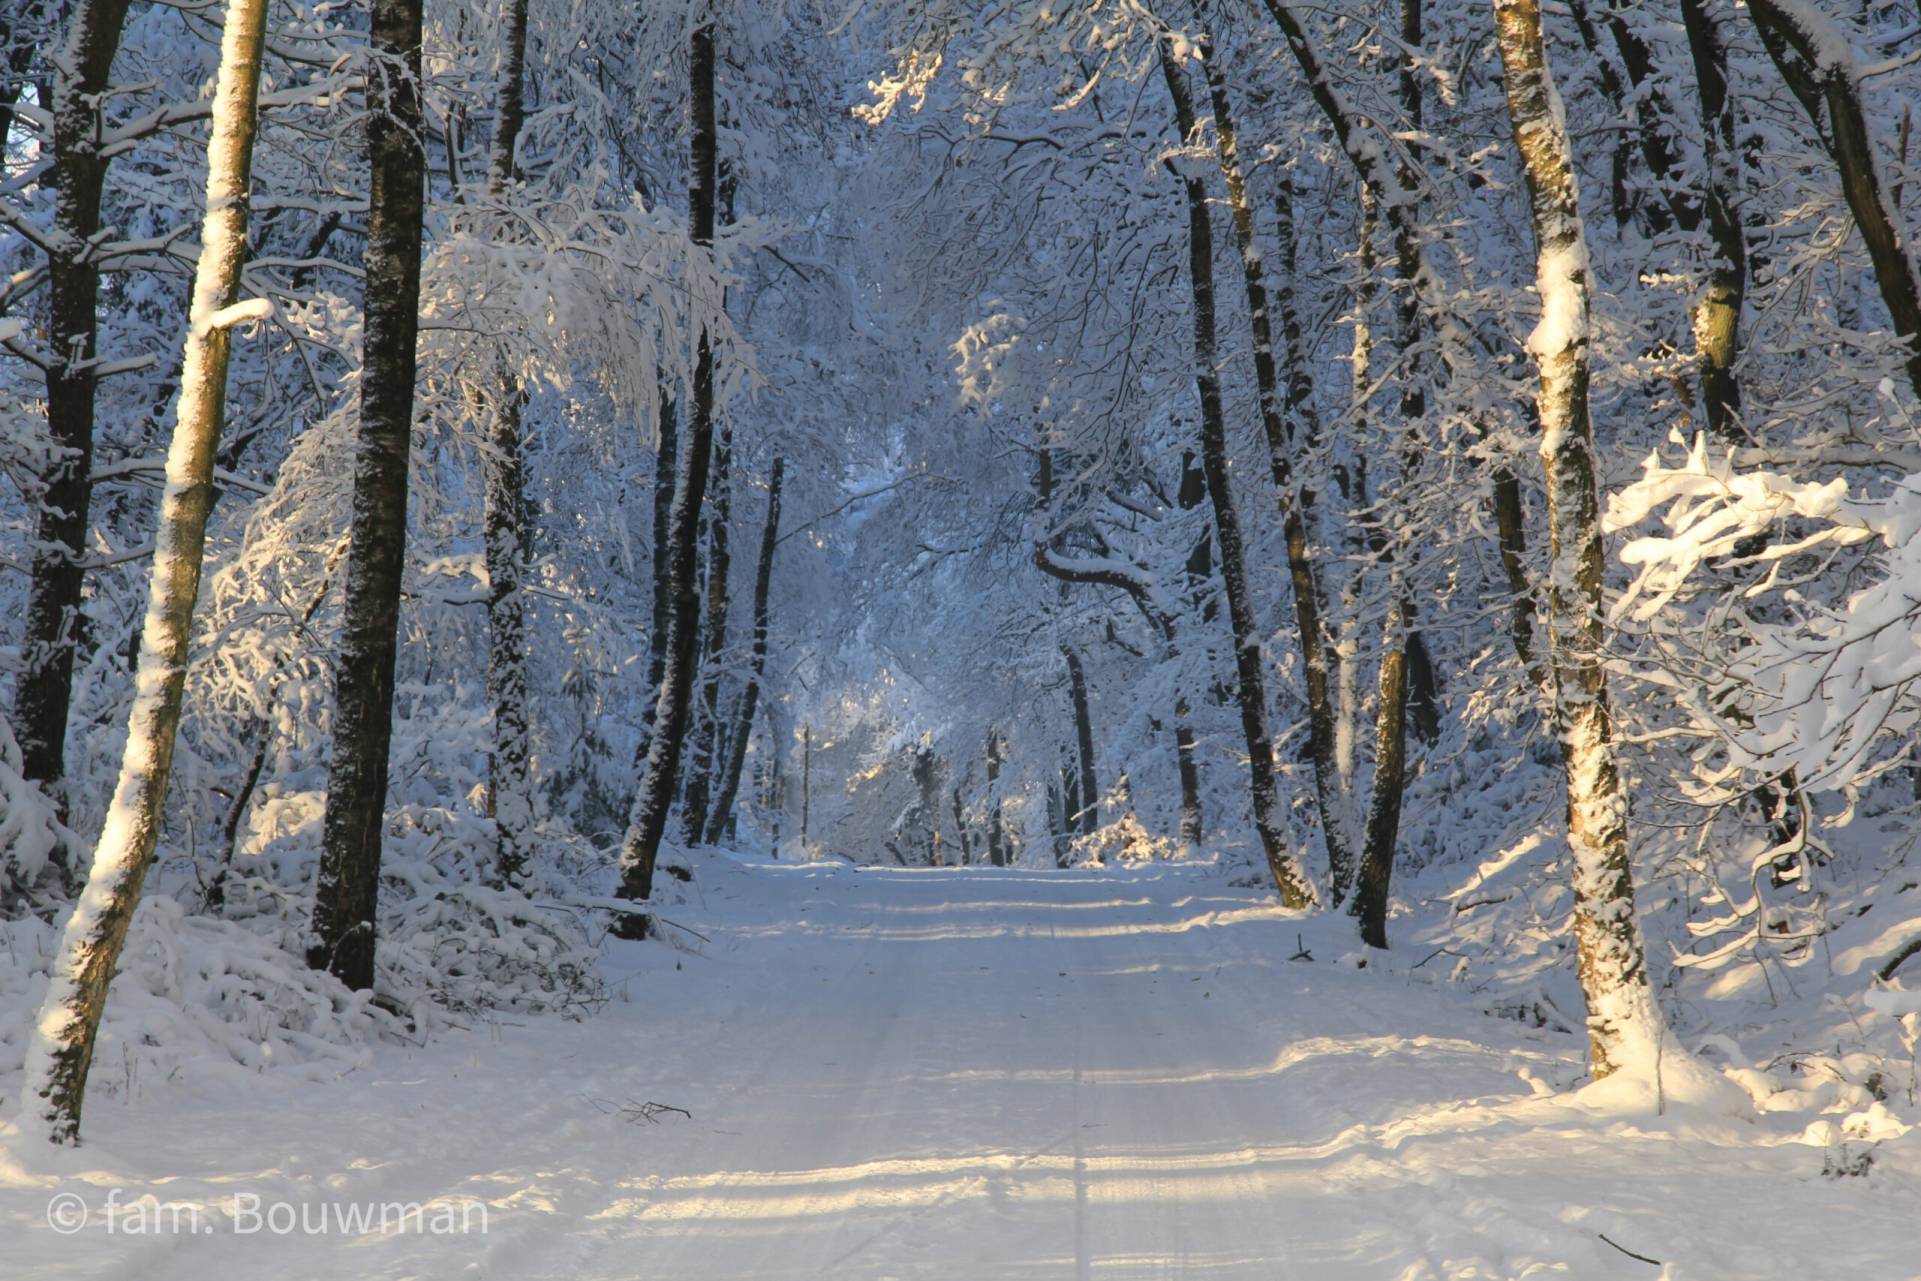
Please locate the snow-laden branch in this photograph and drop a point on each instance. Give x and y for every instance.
(1820, 692)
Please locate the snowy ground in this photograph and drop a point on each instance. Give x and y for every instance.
(971, 1075)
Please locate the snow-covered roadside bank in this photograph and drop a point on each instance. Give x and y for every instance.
(962, 1074)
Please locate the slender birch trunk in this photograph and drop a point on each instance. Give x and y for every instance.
(750, 696)
(655, 797)
(61, 1053)
(1623, 1020)
(1294, 888)
(344, 898)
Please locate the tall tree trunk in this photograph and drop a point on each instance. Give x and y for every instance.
(806, 780)
(43, 690)
(1717, 312)
(700, 765)
(656, 794)
(961, 837)
(666, 468)
(1057, 820)
(1295, 891)
(344, 898)
(1623, 1019)
(1405, 672)
(1815, 58)
(1200, 574)
(1383, 826)
(996, 831)
(1088, 816)
(750, 696)
(504, 522)
(1369, 156)
(62, 1052)
(1279, 433)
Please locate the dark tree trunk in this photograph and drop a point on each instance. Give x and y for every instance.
(1388, 191)
(996, 834)
(656, 794)
(961, 837)
(1282, 411)
(1406, 674)
(344, 898)
(1815, 59)
(806, 781)
(1382, 829)
(750, 696)
(1614, 93)
(505, 526)
(43, 690)
(1717, 314)
(1088, 816)
(720, 563)
(1070, 798)
(666, 468)
(1294, 888)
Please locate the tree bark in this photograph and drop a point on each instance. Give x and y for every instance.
(61, 1054)
(1717, 313)
(1383, 827)
(344, 899)
(1622, 1016)
(506, 529)
(1295, 891)
(750, 696)
(1816, 60)
(666, 468)
(43, 690)
(1088, 817)
(1280, 414)
(1392, 195)
(996, 830)
(656, 795)
(700, 765)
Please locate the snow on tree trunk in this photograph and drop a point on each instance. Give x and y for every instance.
(1294, 888)
(700, 766)
(43, 690)
(1815, 58)
(1391, 192)
(750, 696)
(1336, 806)
(655, 797)
(504, 523)
(666, 468)
(61, 1052)
(344, 897)
(1624, 1027)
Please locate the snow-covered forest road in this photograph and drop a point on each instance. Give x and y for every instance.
(971, 1074)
